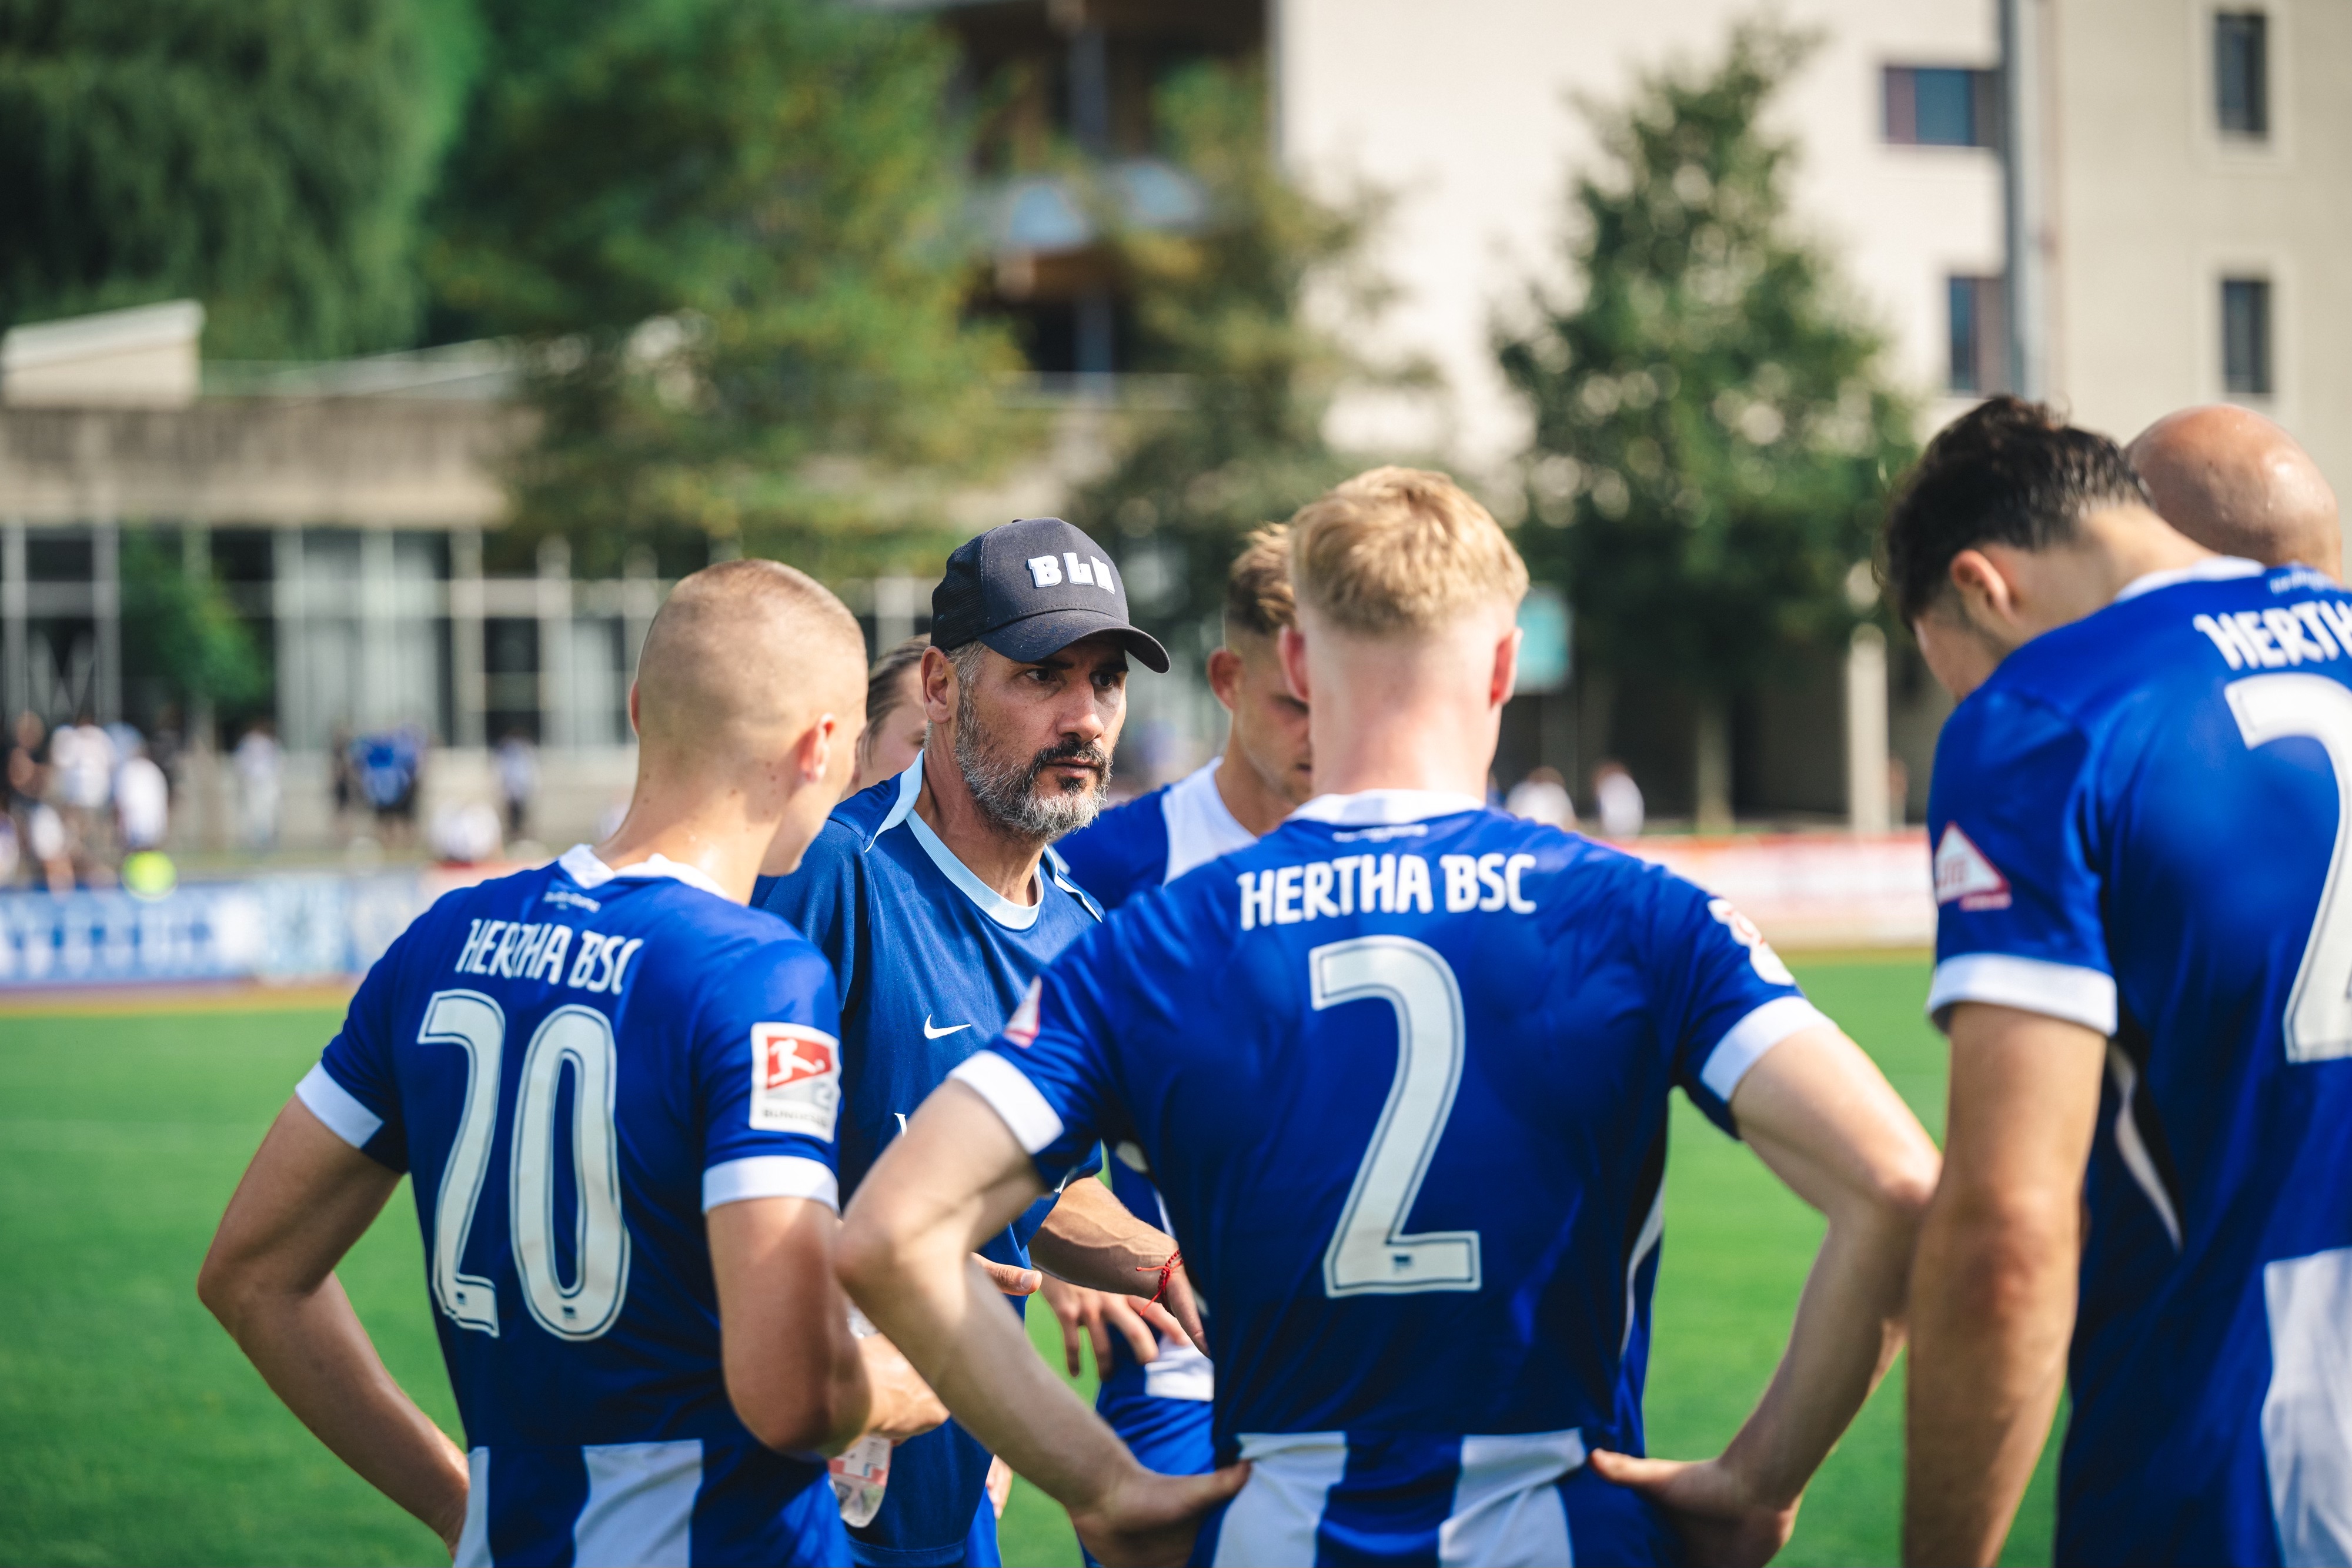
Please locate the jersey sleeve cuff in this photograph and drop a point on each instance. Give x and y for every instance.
(2066, 991)
(770, 1176)
(1745, 1043)
(338, 1107)
(1011, 1095)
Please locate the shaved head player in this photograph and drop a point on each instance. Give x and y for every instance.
(633, 1281)
(2237, 484)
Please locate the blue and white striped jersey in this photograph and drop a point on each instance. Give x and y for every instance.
(1412, 1140)
(573, 1066)
(2141, 824)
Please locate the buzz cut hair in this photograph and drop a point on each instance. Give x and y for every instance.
(1258, 601)
(1401, 551)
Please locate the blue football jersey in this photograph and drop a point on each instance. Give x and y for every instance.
(573, 1065)
(1128, 851)
(2139, 827)
(1412, 1140)
(931, 961)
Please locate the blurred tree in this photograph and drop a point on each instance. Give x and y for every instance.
(1713, 435)
(1227, 308)
(727, 229)
(267, 157)
(184, 627)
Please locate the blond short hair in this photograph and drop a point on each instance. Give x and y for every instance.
(1400, 550)
(1257, 588)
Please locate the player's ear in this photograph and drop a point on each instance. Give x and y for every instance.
(1290, 647)
(1226, 676)
(937, 683)
(635, 728)
(1507, 668)
(1985, 595)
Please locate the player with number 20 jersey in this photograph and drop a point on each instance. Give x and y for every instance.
(2140, 827)
(573, 1065)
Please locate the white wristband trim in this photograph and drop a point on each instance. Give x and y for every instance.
(1744, 1042)
(1011, 1095)
(770, 1176)
(338, 1107)
(2067, 991)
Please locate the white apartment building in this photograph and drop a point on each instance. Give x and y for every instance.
(2189, 171)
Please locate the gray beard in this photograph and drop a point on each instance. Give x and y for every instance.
(1006, 792)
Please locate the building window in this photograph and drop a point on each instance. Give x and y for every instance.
(2242, 74)
(1979, 342)
(2246, 336)
(1939, 106)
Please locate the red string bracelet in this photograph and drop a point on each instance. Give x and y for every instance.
(1175, 1262)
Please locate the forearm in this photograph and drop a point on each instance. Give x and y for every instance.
(1849, 1325)
(1993, 1310)
(1091, 1239)
(312, 1349)
(950, 1322)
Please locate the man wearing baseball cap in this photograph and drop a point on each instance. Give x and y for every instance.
(938, 898)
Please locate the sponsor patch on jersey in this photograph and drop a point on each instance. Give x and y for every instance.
(795, 1080)
(1767, 963)
(1021, 1029)
(1964, 876)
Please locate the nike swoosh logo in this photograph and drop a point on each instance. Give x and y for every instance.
(930, 1033)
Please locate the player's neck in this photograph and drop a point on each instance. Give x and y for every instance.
(1002, 860)
(693, 826)
(1244, 789)
(715, 842)
(1384, 748)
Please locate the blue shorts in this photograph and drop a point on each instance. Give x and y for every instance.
(1170, 1436)
(977, 1549)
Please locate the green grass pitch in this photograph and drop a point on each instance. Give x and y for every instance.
(132, 1431)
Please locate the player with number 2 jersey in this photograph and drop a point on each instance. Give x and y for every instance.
(1401, 1071)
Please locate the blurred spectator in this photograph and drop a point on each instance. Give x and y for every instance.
(82, 758)
(143, 801)
(895, 723)
(389, 764)
(1899, 792)
(1542, 797)
(261, 772)
(518, 781)
(47, 841)
(27, 779)
(343, 776)
(10, 858)
(1618, 799)
(467, 834)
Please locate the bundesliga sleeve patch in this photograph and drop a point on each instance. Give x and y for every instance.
(1766, 962)
(795, 1080)
(1964, 876)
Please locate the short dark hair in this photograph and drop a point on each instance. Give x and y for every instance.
(2007, 472)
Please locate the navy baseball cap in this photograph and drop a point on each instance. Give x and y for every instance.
(1032, 588)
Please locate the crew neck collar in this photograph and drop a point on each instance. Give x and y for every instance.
(1386, 808)
(2214, 569)
(995, 906)
(580, 865)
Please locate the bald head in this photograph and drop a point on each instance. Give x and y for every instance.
(2236, 483)
(743, 657)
